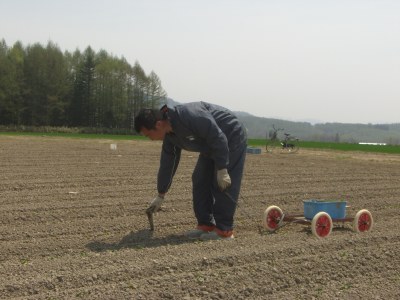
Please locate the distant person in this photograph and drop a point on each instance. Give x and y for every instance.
(220, 138)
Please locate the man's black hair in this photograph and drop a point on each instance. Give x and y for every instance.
(147, 118)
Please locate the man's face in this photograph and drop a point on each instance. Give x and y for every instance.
(156, 134)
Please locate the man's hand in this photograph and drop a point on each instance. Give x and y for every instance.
(156, 203)
(223, 179)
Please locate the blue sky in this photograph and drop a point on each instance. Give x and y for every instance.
(328, 61)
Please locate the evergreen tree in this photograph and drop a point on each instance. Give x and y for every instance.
(82, 108)
(139, 80)
(11, 83)
(155, 92)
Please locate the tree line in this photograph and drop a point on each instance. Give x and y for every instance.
(43, 86)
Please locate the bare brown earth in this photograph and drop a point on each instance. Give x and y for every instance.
(72, 226)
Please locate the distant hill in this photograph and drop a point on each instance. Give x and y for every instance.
(331, 132)
(258, 127)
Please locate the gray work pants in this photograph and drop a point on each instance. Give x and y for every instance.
(211, 206)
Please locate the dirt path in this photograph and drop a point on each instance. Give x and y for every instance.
(72, 226)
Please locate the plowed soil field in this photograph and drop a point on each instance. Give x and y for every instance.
(72, 226)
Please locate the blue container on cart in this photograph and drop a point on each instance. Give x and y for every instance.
(253, 150)
(335, 209)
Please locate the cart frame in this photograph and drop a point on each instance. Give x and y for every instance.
(321, 224)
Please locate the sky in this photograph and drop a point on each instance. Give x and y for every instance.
(309, 60)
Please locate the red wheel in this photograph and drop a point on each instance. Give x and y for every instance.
(363, 221)
(321, 225)
(273, 216)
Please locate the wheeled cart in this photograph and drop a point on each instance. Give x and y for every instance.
(321, 215)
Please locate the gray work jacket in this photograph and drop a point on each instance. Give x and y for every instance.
(200, 127)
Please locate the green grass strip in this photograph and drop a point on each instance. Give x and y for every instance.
(391, 149)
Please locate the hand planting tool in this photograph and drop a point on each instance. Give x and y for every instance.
(149, 213)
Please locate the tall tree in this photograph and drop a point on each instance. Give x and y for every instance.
(120, 91)
(7, 82)
(46, 86)
(155, 92)
(57, 85)
(11, 82)
(35, 105)
(139, 82)
(17, 57)
(82, 108)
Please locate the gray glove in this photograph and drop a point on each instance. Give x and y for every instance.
(156, 203)
(223, 179)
